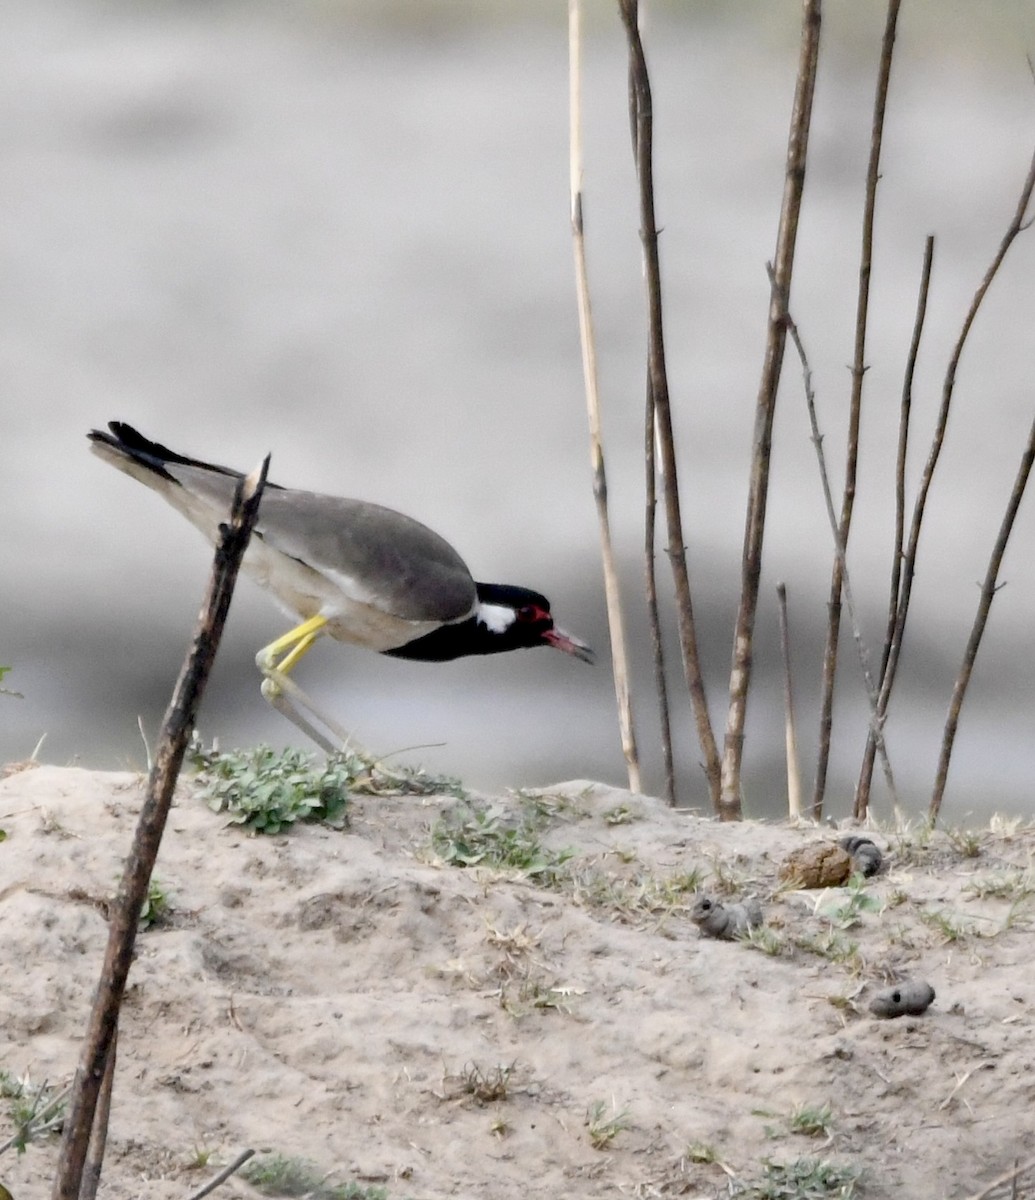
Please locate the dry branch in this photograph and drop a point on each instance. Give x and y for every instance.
(790, 725)
(855, 406)
(612, 592)
(1017, 225)
(862, 789)
(132, 893)
(776, 335)
(988, 590)
(642, 120)
(876, 725)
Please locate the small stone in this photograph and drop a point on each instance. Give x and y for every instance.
(726, 921)
(906, 999)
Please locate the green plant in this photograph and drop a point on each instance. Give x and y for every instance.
(621, 814)
(765, 939)
(604, 1128)
(472, 835)
(831, 945)
(965, 841)
(850, 904)
(34, 1111)
(156, 908)
(280, 1175)
(483, 1085)
(266, 791)
(951, 929)
(811, 1120)
(7, 691)
(802, 1179)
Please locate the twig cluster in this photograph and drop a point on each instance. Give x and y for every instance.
(724, 774)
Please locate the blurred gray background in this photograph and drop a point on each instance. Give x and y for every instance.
(340, 232)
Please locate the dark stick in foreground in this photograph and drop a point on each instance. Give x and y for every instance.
(125, 911)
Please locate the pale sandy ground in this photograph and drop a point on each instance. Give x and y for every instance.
(327, 994)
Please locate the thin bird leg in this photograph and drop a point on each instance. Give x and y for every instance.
(275, 661)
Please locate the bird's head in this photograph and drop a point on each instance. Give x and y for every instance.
(510, 618)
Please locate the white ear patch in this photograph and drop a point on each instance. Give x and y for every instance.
(497, 618)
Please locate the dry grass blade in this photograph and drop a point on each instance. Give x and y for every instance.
(793, 769)
(619, 657)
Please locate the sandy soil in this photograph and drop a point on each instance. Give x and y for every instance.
(407, 1024)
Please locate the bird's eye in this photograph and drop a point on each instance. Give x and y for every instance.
(526, 613)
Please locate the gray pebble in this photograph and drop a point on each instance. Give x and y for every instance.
(726, 921)
(906, 999)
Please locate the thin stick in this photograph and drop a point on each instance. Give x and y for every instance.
(791, 734)
(846, 585)
(776, 335)
(862, 789)
(642, 120)
(855, 405)
(988, 592)
(99, 1136)
(125, 910)
(1010, 1177)
(616, 625)
(223, 1175)
(1017, 225)
(651, 590)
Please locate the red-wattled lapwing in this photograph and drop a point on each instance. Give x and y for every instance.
(356, 571)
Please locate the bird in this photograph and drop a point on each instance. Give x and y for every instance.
(352, 570)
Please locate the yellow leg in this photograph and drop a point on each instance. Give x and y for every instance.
(275, 661)
(296, 642)
(280, 657)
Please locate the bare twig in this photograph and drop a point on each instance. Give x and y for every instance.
(641, 115)
(1007, 1178)
(619, 657)
(839, 550)
(99, 1136)
(862, 790)
(790, 727)
(223, 1175)
(1017, 225)
(751, 564)
(651, 590)
(125, 910)
(988, 590)
(855, 404)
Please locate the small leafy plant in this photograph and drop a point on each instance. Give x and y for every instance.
(34, 1111)
(472, 835)
(280, 1175)
(604, 1128)
(802, 1179)
(266, 791)
(156, 908)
